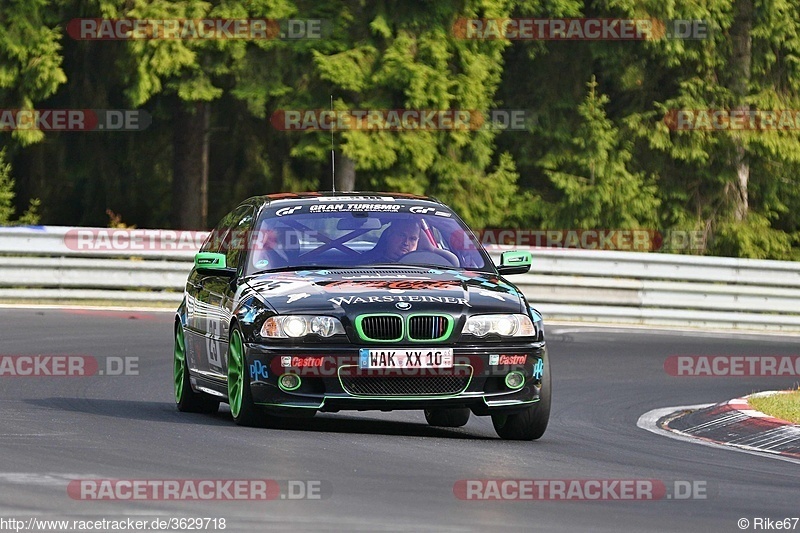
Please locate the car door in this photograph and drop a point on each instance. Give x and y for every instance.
(211, 310)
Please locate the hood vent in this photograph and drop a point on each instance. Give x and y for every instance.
(381, 271)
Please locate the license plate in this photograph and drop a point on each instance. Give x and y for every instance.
(419, 358)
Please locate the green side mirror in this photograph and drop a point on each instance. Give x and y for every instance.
(212, 264)
(515, 262)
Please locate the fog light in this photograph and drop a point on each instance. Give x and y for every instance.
(289, 382)
(515, 380)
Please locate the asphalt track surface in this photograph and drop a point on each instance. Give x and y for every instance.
(380, 471)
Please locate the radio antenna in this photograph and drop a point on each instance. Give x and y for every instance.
(333, 159)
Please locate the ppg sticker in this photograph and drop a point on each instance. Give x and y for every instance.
(538, 369)
(258, 371)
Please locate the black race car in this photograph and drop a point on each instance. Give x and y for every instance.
(300, 303)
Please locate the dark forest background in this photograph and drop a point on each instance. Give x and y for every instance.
(596, 152)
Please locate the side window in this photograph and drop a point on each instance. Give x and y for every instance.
(214, 241)
(231, 234)
(235, 243)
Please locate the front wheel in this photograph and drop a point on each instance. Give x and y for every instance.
(447, 418)
(187, 400)
(529, 423)
(240, 399)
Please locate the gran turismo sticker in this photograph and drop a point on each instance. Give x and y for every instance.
(283, 211)
(328, 208)
(419, 210)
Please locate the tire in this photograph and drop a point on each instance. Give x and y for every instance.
(447, 418)
(240, 399)
(529, 423)
(187, 400)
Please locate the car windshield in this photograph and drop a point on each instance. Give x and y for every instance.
(347, 234)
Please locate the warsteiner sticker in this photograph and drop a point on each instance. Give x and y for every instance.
(349, 300)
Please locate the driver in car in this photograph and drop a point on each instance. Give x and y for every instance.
(399, 239)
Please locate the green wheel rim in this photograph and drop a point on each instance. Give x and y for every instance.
(235, 374)
(179, 366)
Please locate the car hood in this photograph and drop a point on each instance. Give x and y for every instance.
(354, 292)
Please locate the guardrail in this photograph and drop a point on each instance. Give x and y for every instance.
(150, 266)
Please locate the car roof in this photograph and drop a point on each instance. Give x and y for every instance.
(309, 197)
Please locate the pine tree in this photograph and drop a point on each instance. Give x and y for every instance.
(30, 59)
(386, 56)
(591, 172)
(717, 179)
(7, 198)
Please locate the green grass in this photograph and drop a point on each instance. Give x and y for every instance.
(784, 406)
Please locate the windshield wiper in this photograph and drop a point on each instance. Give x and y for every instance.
(402, 266)
(296, 268)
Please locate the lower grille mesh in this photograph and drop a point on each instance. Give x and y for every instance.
(404, 386)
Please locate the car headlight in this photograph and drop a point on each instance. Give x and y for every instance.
(504, 325)
(293, 326)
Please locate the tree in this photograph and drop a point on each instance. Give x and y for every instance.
(195, 73)
(30, 62)
(30, 70)
(591, 172)
(392, 55)
(7, 198)
(750, 61)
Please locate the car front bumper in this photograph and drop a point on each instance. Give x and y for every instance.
(330, 379)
